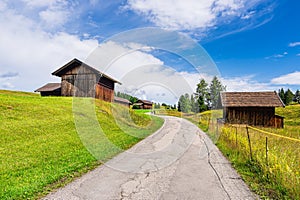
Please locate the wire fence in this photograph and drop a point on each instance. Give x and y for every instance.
(278, 156)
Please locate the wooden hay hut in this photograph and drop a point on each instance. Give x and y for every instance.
(122, 101)
(252, 108)
(143, 104)
(82, 80)
(50, 89)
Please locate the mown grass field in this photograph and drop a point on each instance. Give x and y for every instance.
(40, 148)
(274, 177)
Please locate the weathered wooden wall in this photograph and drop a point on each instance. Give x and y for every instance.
(257, 116)
(104, 93)
(83, 82)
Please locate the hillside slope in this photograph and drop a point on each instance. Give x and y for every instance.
(40, 148)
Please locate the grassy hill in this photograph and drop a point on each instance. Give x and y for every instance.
(40, 148)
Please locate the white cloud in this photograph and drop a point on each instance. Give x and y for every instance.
(248, 15)
(34, 53)
(3, 5)
(54, 18)
(294, 44)
(277, 55)
(119, 59)
(192, 14)
(245, 84)
(40, 3)
(158, 83)
(51, 15)
(288, 79)
(188, 14)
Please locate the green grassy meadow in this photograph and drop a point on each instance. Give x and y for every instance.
(40, 149)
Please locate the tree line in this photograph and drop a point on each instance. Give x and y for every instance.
(206, 97)
(288, 96)
(130, 98)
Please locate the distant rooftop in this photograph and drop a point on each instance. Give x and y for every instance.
(49, 87)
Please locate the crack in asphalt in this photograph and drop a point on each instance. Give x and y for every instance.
(215, 171)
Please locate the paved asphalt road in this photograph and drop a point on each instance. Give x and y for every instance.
(177, 162)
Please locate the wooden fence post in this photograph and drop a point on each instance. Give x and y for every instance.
(267, 151)
(217, 128)
(267, 159)
(236, 140)
(249, 143)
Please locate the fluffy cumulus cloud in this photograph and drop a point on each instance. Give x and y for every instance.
(141, 74)
(33, 53)
(51, 14)
(194, 14)
(287, 79)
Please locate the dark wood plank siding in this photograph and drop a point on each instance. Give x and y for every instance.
(257, 116)
(51, 93)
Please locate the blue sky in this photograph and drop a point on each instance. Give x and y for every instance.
(255, 44)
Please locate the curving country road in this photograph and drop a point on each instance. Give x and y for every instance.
(177, 162)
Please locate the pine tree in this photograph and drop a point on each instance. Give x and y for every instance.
(281, 94)
(214, 89)
(288, 97)
(188, 105)
(297, 96)
(202, 95)
(194, 105)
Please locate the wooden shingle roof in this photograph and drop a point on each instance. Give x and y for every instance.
(49, 87)
(251, 99)
(145, 102)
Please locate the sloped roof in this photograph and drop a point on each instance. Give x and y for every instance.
(251, 99)
(145, 101)
(75, 63)
(49, 87)
(121, 100)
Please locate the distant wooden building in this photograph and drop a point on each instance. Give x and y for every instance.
(252, 108)
(143, 104)
(82, 80)
(122, 101)
(50, 89)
